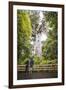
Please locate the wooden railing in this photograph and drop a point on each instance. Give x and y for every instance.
(45, 67)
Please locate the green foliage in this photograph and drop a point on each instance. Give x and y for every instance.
(37, 60)
(51, 44)
(51, 18)
(24, 31)
(50, 50)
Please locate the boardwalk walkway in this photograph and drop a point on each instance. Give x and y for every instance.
(39, 71)
(36, 75)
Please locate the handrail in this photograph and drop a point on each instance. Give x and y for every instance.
(39, 67)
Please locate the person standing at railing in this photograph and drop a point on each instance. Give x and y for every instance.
(27, 66)
(31, 63)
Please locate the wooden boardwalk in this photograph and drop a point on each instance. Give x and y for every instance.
(45, 67)
(21, 75)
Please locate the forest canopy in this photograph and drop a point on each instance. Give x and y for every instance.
(29, 24)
